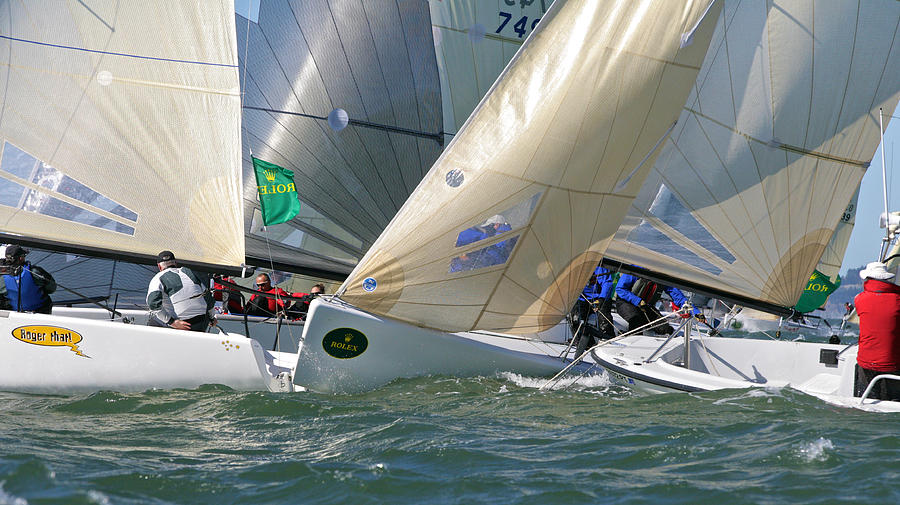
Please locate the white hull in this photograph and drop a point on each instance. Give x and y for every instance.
(735, 363)
(109, 355)
(389, 350)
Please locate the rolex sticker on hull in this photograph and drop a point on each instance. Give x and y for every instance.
(345, 343)
(49, 336)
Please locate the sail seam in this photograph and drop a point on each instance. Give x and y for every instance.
(113, 53)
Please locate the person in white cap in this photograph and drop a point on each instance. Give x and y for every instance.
(878, 307)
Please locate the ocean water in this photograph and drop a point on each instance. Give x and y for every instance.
(441, 440)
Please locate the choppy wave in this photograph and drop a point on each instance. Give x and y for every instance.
(445, 440)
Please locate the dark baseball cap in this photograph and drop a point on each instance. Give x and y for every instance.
(15, 250)
(165, 256)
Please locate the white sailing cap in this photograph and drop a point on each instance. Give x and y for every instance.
(495, 219)
(876, 270)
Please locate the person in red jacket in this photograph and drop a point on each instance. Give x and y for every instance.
(264, 305)
(878, 307)
(232, 301)
(301, 304)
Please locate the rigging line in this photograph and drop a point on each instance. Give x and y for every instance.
(437, 137)
(246, 52)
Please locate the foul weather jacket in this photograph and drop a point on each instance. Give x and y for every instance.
(27, 291)
(878, 307)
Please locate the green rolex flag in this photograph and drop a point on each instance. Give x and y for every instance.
(277, 195)
(816, 293)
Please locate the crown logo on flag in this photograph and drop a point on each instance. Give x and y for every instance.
(270, 174)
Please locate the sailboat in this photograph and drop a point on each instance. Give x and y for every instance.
(748, 191)
(107, 173)
(552, 156)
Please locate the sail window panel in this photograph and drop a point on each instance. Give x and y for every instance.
(671, 211)
(313, 218)
(50, 178)
(23, 165)
(11, 194)
(289, 236)
(645, 235)
(43, 203)
(512, 218)
(18, 162)
(492, 255)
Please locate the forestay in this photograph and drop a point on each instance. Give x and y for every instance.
(506, 226)
(769, 149)
(118, 143)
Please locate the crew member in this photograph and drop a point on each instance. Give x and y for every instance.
(264, 305)
(230, 297)
(28, 287)
(302, 300)
(596, 297)
(179, 298)
(878, 307)
(636, 302)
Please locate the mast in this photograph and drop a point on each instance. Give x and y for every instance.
(886, 241)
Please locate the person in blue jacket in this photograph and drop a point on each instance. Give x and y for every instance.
(488, 256)
(596, 297)
(28, 287)
(636, 299)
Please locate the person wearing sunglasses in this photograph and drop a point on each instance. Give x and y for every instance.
(261, 305)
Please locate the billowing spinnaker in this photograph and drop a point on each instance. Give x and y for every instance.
(770, 148)
(120, 127)
(553, 155)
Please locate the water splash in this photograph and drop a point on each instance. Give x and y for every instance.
(815, 450)
(6, 498)
(586, 381)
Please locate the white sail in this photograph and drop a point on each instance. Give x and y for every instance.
(559, 147)
(770, 147)
(118, 140)
(833, 257)
(473, 42)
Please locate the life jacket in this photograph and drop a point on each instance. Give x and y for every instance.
(23, 293)
(647, 290)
